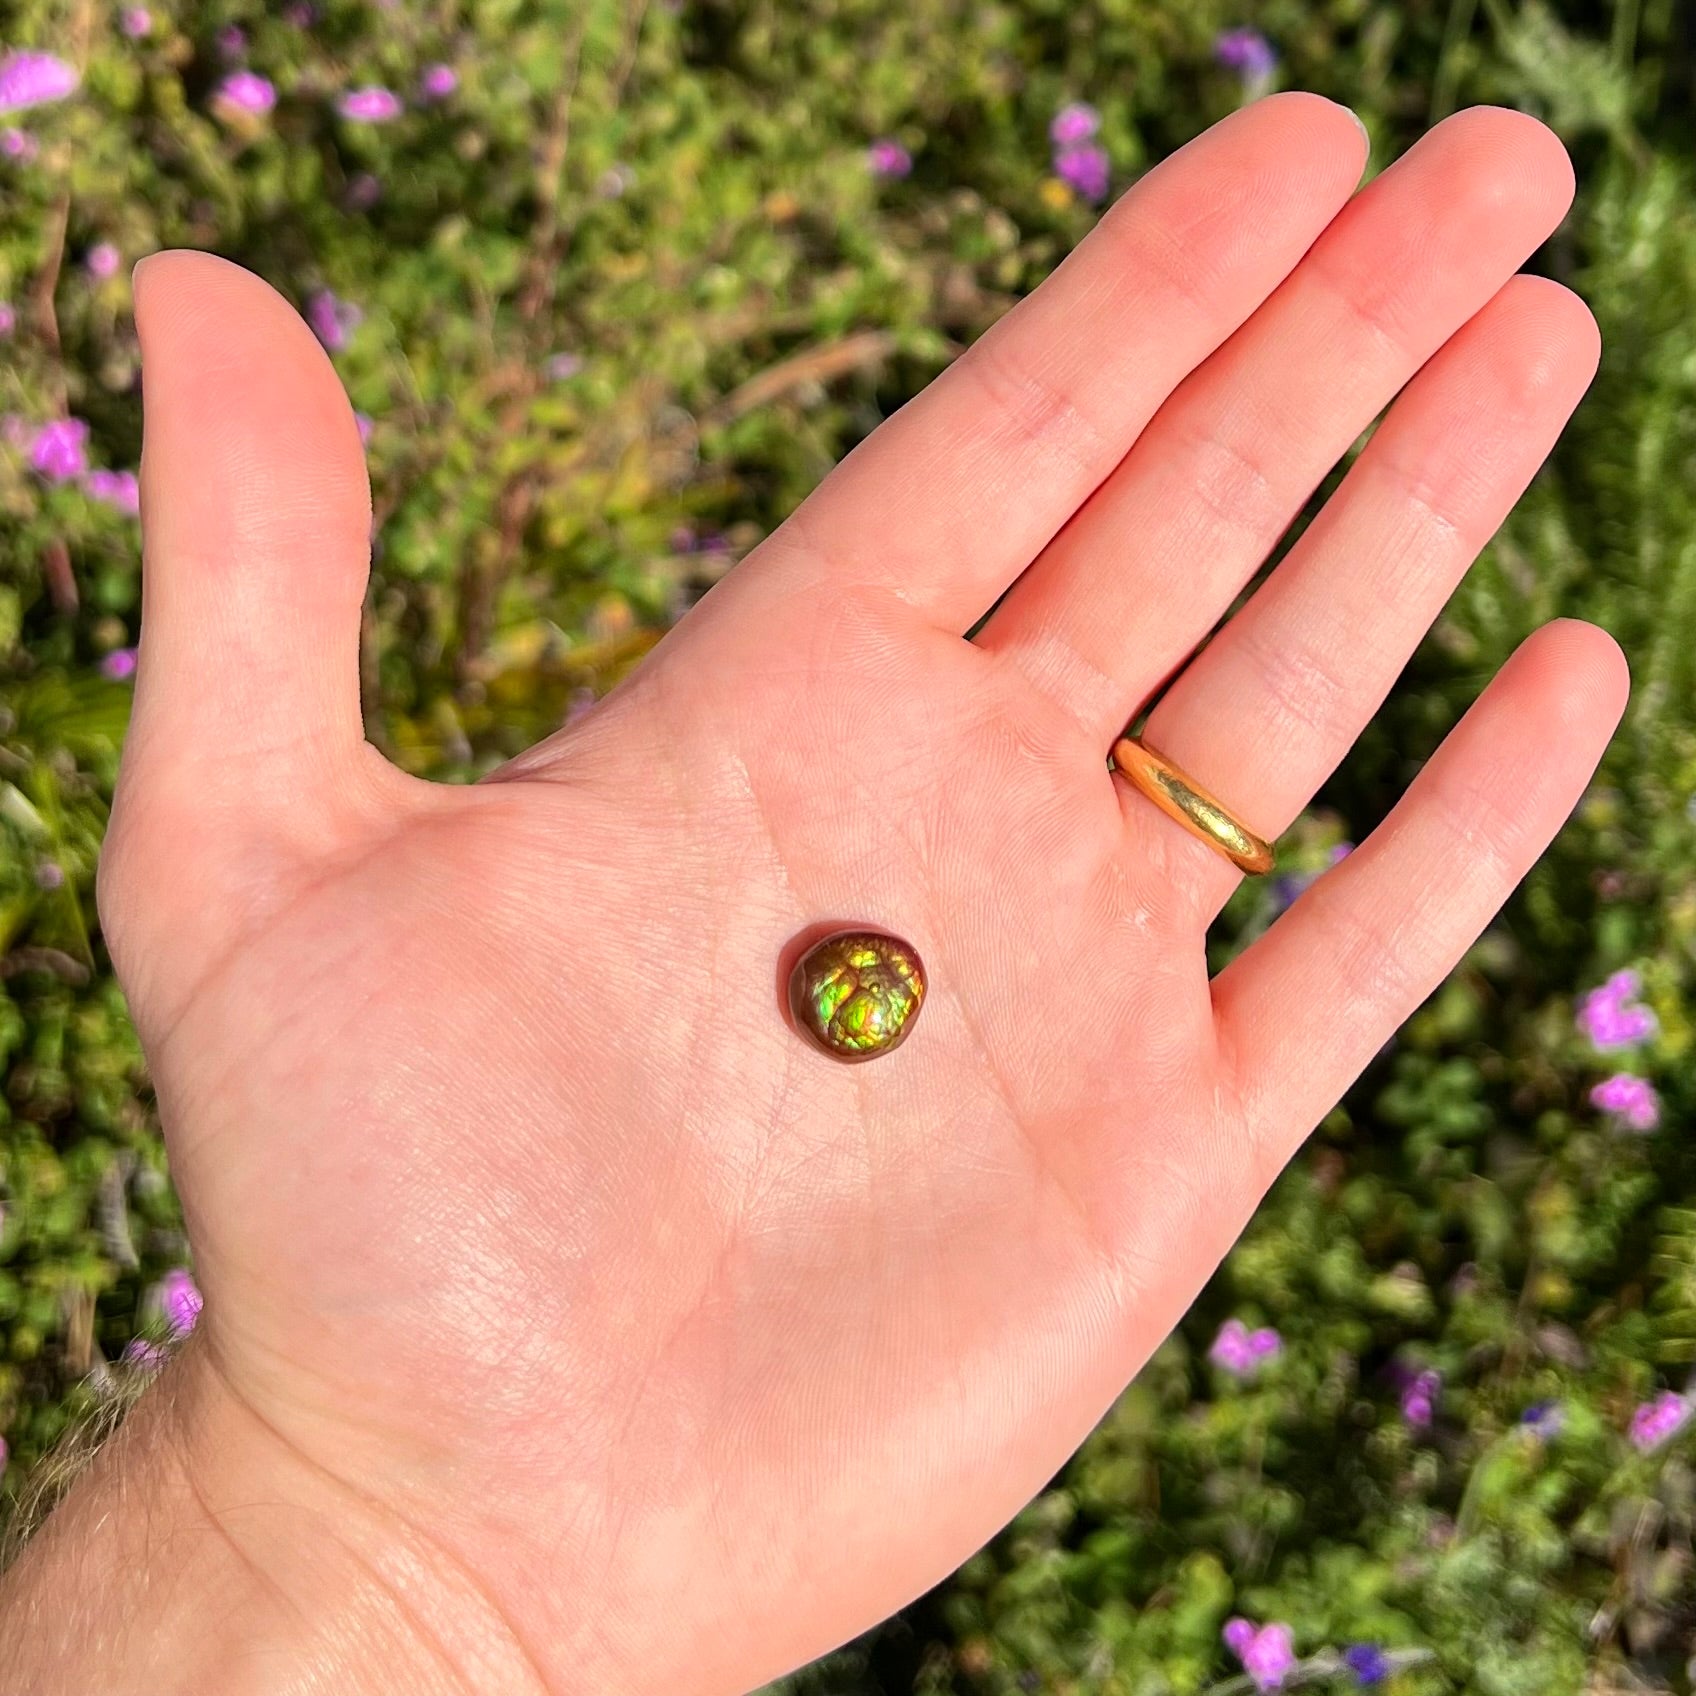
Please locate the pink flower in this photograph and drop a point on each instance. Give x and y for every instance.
(1655, 1421)
(246, 91)
(232, 41)
(1630, 1099)
(8, 318)
(18, 144)
(1419, 1398)
(5, 1455)
(49, 875)
(1074, 123)
(32, 79)
(332, 319)
(362, 421)
(180, 1301)
(560, 366)
(1238, 1634)
(1240, 1351)
(370, 105)
(115, 488)
(438, 81)
(1611, 1016)
(1267, 1652)
(103, 261)
(143, 1355)
(1083, 168)
(364, 191)
(889, 159)
(1247, 52)
(137, 22)
(58, 450)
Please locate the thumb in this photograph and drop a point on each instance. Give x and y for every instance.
(256, 528)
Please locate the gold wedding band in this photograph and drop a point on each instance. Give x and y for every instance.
(1180, 797)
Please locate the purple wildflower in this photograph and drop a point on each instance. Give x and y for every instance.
(1238, 1634)
(1083, 168)
(889, 159)
(103, 260)
(1655, 1421)
(560, 366)
(364, 190)
(1239, 1350)
(246, 91)
(1074, 123)
(364, 424)
(180, 1301)
(1267, 1652)
(1419, 1397)
(119, 665)
(438, 81)
(1247, 52)
(137, 22)
(49, 875)
(32, 79)
(8, 318)
(1543, 1419)
(57, 451)
(1269, 1657)
(115, 488)
(1285, 889)
(232, 41)
(143, 1355)
(1368, 1663)
(18, 144)
(332, 319)
(370, 105)
(5, 1454)
(1630, 1099)
(1611, 1016)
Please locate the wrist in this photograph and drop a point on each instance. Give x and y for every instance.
(199, 1551)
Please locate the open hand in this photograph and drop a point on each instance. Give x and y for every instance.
(630, 1342)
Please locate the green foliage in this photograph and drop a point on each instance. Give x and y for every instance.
(678, 197)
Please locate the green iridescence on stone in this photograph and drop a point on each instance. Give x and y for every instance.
(857, 993)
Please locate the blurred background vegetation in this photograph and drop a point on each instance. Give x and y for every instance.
(612, 284)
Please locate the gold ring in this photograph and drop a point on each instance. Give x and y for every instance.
(1180, 797)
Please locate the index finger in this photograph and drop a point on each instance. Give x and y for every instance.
(952, 498)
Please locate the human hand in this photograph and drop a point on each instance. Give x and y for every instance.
(620, 1339)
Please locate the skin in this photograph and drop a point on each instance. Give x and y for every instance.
(573, 1325)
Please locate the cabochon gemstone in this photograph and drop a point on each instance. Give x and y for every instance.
(857, 993)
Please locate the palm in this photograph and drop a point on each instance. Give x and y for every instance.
(518, 1203)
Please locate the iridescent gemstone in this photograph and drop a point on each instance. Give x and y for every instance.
(857, 993)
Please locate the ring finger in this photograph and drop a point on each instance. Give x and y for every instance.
(1268, 708)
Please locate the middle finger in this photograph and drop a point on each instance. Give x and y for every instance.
(1152, 561)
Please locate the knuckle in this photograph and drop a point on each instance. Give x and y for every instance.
(1299, 682)
(1232, 485)
(1036, 414)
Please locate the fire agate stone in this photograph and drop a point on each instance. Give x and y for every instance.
(857, 993)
